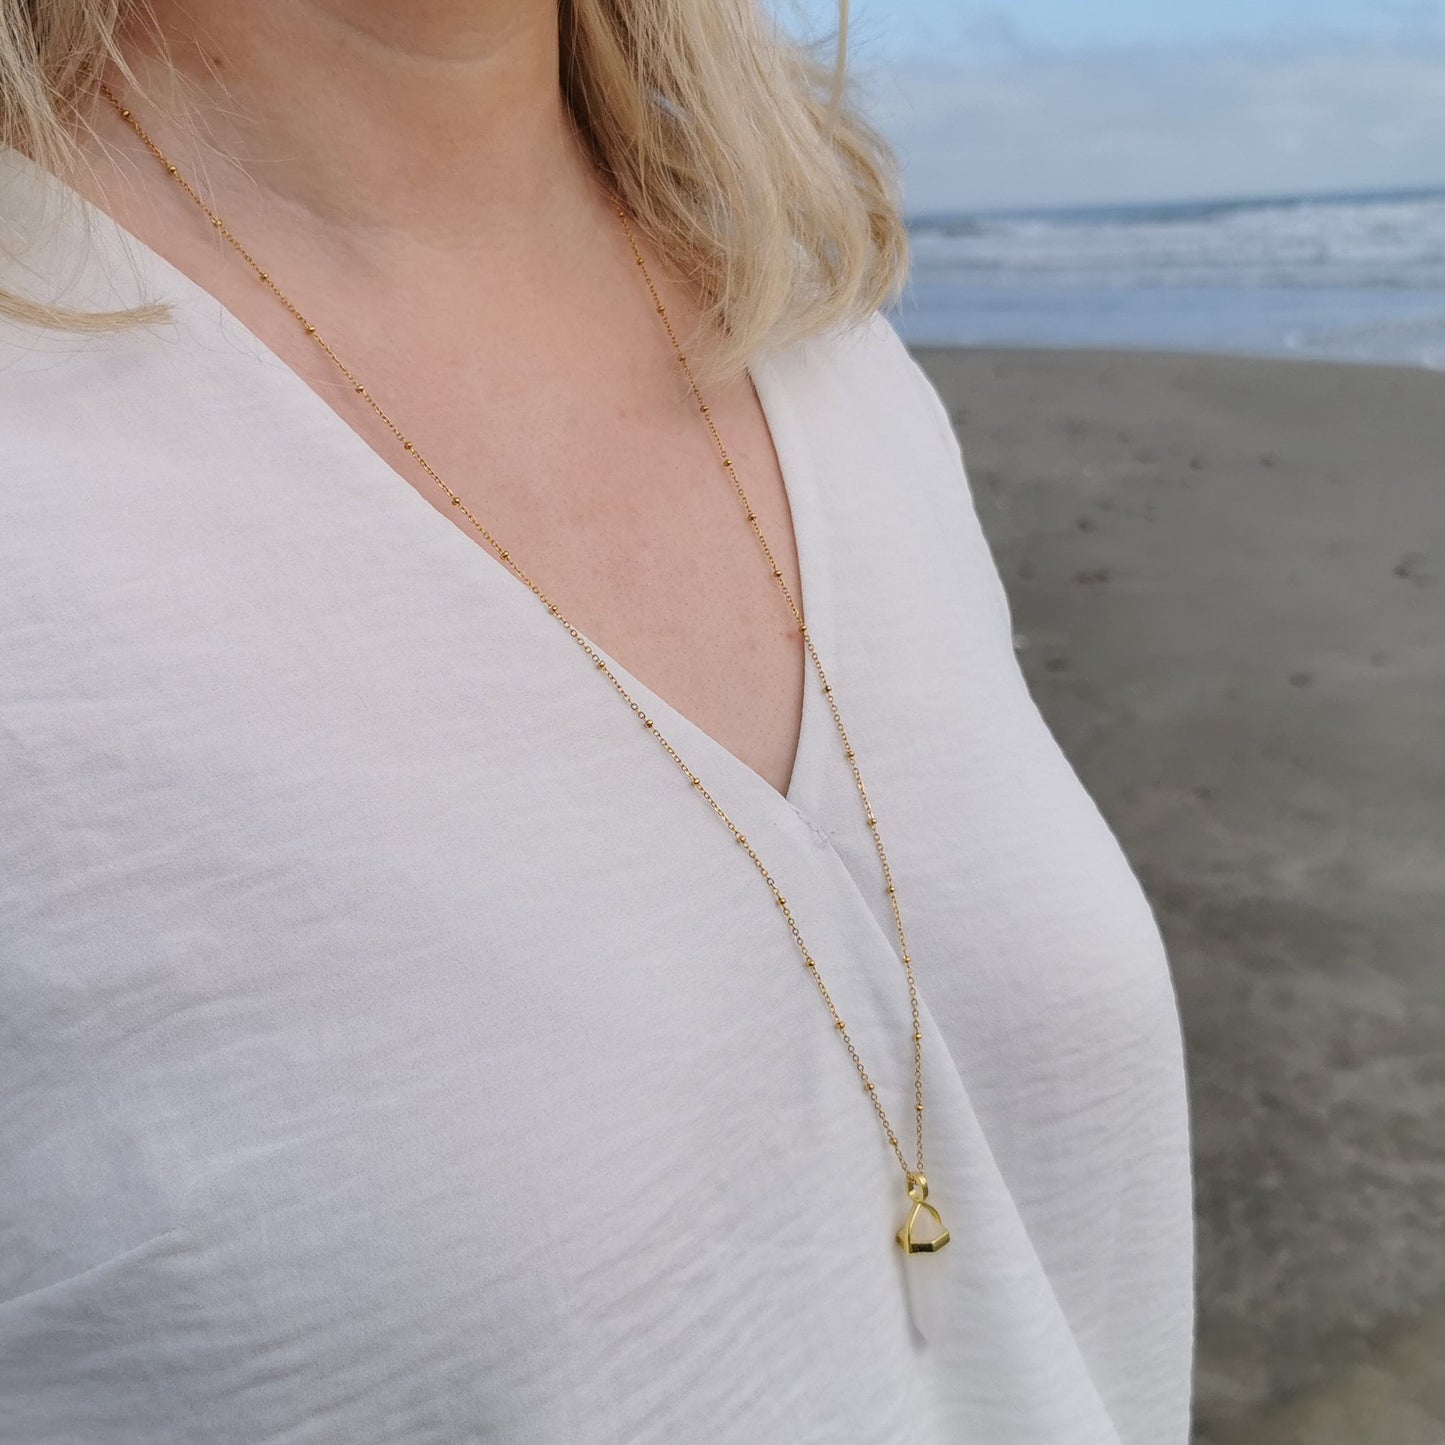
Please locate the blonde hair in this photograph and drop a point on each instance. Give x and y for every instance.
(737, 150)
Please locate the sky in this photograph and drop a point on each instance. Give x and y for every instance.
(1024, 103)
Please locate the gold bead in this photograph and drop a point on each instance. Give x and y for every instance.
(782, 902)
(310, 329)
(871, 820)
(506, 556)
(647, 722)
(456, 501)
(918, 1036)
(838, 1025)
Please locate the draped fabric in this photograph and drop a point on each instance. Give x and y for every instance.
(393, 1047)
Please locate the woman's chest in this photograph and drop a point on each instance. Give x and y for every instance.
(255, 764)
(374, 980)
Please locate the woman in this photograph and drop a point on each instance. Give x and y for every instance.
(534, 903)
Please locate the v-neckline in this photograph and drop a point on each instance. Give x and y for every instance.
(785, 429)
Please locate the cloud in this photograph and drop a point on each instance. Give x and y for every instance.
(1035, 126)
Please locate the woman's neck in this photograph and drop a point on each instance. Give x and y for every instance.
(438, 121)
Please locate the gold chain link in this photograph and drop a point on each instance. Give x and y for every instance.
(913, 1176)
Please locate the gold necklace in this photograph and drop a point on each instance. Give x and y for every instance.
(916, 1183)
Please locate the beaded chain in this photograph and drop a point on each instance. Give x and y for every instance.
(916, 1183)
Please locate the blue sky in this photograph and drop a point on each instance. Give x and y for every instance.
(1064, 102)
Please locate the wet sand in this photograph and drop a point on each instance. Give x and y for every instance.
(1228, 585)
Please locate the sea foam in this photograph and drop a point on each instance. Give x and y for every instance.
(1357, 277)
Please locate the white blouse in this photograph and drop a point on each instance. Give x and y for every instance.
(394, 1048)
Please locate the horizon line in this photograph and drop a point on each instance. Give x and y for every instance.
(1180, 203)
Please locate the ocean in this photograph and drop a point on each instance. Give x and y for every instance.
(1357, 278)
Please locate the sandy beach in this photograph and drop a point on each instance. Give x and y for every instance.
(1228, 587)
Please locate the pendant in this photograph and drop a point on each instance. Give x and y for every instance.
(918, 1193)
